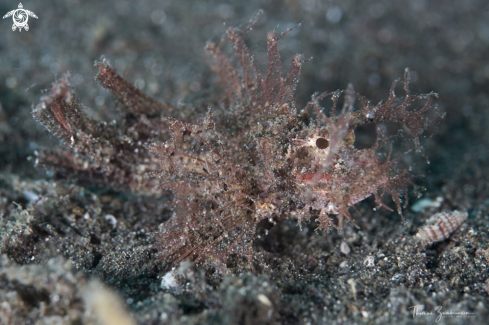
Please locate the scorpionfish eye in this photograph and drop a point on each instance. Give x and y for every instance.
(322, 143)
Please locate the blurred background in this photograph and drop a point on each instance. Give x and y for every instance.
(159, 46)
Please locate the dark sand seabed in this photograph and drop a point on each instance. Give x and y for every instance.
(53, 254)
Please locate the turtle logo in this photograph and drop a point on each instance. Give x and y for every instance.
(20, 17)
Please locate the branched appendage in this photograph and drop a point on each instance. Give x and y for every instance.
(220, 65)
(58, 112)
(101, 153)
(268, 96)
(395, 110)
(133, 99)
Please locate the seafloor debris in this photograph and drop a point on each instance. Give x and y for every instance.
(256, 156)
(441, 226)
(426, 203)
(106, 305)
(369, 261)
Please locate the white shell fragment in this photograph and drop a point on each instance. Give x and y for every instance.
(369, 261)
(168, 281)
(426, 203)
(441, 226)
(345, 248)
(264, 300)
(111, 219)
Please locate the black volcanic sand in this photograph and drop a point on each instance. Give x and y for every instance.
(56, 236)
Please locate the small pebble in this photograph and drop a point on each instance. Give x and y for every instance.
(345, 248)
